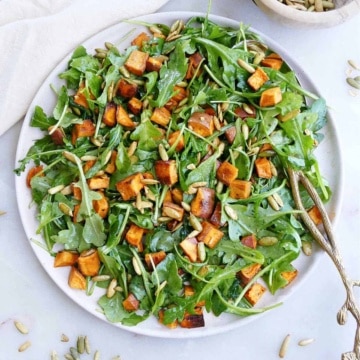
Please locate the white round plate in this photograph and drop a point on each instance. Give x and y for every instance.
(328, 155)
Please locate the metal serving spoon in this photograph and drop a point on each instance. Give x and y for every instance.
(329, 245)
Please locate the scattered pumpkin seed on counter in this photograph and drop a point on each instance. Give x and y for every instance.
(161, 173)
(310, 5)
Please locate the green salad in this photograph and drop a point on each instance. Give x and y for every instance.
(161, 174)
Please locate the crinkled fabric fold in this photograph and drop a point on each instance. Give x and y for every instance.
(36, 34)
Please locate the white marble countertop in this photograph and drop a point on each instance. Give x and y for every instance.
(28, 294)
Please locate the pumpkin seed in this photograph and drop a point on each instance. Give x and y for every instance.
(87, 345)
(230, 212)
(278, 199)
(268, 241)
(191, 167)
(353, 64)
(110, 291)
(305, 342)
(21, 327)
(352, 82)
(80, 344)
(195, 223)
(199, 184)
(201, 251)
(101, 278)
(185, 206)
(245, 66)
(150, 181)
(108, 45)
(67, 190)
(136, 266)
(24, 346)
(55, 189)
(68, 357)
(284, 346)
(74, 353)
(162, 152)
(66, 209)
(306, 248)
(97, 355)
(132, 148)
(272, 202)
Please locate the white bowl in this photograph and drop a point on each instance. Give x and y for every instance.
(287, 15)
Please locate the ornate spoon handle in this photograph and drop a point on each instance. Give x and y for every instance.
(328, 243)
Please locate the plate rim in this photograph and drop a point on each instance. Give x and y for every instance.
(163, 332)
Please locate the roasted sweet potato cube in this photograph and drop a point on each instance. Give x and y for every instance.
(177, 195)
(109, 116)
(263, 168)
(123, 118)
(227, 172)
(34, 171)
(136, 62)
(161, 116)
(131, 303)
(89, 262)
(215, 217)
(180, 93)
(273, 61)
(254, 294)
(65, 258)
(76, 191)
(101, 206)
(248, 272)
(155, 258)
(203, 203)
(140, 39)
(270, 97)
(257, 79)
(111, 165)
(289, 276)
(249, 241)
(88, 165)
(173, 211)
(76, 212)
(202, 123)
(130, 186)
(194, 62)
(171, 105)
(240, 189)
(210, 234)
(99, 182)
(168, 196)
(177, 138)
(85, 129)
(191, 321)
(135, 105)
(166, 172)
(154, 63)
(190, 248)
(134, 236)
(127, 89)
(315, 215)
(76, 279)
(80, 97)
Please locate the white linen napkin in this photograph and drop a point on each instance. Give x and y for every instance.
(36, 34)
